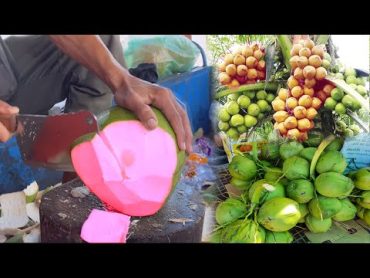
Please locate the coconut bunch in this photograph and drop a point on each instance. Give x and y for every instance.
(260, 214)
(349, 102)
(361, 180)
(242, 112)
(302, 186)
(246, 65)
(297, 106)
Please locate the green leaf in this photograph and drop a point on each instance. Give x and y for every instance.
(270, 86)
(269, 58)
(322, 39)
(286, 46)
(318, 152)
(350, 91)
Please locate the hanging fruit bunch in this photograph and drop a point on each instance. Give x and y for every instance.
(349, 103)
(297, 106)
(246, 65)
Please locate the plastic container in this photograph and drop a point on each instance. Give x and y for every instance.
(194, 90)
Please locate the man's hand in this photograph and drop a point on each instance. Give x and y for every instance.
(136, 95)
(130, 92)
(7, 120)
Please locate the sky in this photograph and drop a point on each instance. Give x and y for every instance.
(353, 50)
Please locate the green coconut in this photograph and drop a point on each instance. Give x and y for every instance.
(335, 145)
(263, 190)
(279, 214)
(243, 231)
(308, 153)
(229, 211)
(242, 168)
(323, 207)
(301, 191)
(331, 161)
(296, 167)
(334, 185)
(347, 211)
(270, 151)
(364, 199)
(277, 190)
(317, 225)
(361, 179)
(278, 237)
(290, 149)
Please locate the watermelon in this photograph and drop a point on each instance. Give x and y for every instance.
(130, 168)
(105, 227)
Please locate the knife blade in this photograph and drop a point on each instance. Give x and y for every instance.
(45, 141)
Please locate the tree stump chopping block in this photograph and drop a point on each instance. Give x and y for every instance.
(180, 220)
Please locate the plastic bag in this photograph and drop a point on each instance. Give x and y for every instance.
(213, 115)
(170, 53)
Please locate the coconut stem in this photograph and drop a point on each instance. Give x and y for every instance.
(280, 178)
(249, 87)
(253, 206)
(355, 196)
(317, 154)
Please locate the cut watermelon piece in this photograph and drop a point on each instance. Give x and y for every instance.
(105, 227)
(129, 167)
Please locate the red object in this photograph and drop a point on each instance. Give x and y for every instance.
(105, 227)
(241, 79)
(261, 75)
(246, 148)
(198, 158)
(321, 95)
(122, 168)
(320, 84)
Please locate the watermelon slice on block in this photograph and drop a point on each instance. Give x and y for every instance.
(128, 167)
(105, 227)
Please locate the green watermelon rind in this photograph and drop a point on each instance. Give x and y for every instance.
(116, 114)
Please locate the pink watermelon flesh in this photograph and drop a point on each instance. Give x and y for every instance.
(128, 167)
(105, 227)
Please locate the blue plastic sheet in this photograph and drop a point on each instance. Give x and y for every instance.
(15, 175)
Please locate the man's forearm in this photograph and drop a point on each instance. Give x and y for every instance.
(130, 92)
(90, 51)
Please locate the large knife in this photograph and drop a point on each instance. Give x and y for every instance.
(45, 141)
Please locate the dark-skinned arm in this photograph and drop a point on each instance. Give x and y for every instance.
(129, 92)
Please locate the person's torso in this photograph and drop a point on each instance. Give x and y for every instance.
(8, 80)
